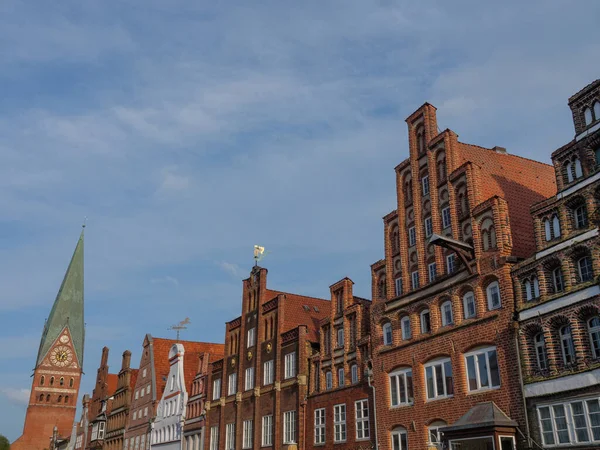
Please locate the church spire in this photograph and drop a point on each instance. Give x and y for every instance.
(67, 310)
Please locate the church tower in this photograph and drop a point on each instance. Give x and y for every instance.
(58, 367)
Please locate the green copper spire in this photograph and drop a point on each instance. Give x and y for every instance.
(67, 310)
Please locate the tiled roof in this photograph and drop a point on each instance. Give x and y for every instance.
(111, 381)
(133, 378)
(295, 314)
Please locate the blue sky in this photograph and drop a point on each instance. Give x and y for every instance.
(189, 131)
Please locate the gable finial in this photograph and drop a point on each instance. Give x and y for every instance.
(84, 221)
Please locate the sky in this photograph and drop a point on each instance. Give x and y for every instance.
(187, 132)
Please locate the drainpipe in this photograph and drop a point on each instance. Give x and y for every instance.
(516, 324)
(372, 386)
(303, 405)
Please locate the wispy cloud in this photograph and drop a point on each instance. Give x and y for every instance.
(16, 395)
(232, 269)
(165, 280)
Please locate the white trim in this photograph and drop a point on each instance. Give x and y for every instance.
(562, 384)
(471, 438)
(500, 436)
(568, 243)
(565, 300)
(587, 132)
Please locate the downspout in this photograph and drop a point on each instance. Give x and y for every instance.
(521, 384)
(303, 405)
(372, 386)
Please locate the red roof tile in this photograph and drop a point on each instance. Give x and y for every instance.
(111, 381)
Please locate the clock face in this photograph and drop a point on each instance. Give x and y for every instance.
(61, 356)
(64, 339)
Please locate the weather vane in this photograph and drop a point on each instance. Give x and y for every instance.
(259, 254)
(84, 221)
(180, 326)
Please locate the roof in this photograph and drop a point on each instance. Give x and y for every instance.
(482, 415)
(133, 377)
(111, 381)
(585, 90)
(68, 308)
(162, 366)
(295, 314)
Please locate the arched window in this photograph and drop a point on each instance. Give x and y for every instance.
(66, 399)
(441, 166)
(405, 325)
(435, 436)
(446, 311)
(41, 397)
(328, 380)
(493, 296)
(569, 169)
(597, 110)
(399, 439)
(580, 216)
(578, 171)
(584, 266)
(59, 399)
(71, 382)
(395, 244)
(567, 346)
(387, 334)
(354, 373)
(381, 291)
(536, 287)
(469, 305)
(556, 226)
(42, 380)
(48, 397)
(488, 234)
(547, 228)
(51, 381)
(528, 291)
(540, 351)
(425, 321)
(594, 332)
(557, 280)
(341, 377)
(420, 140)
(61, 382)
(587, 114)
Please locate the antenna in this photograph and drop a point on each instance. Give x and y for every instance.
(180, 326)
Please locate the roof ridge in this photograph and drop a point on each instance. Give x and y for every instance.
(298, 295)
(506, 154)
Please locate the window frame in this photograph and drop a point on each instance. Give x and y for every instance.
(388, 338)
(362, 420)
(450, 266)
(567, 345)
(398, 285)
(469, 297)
(399, 436)
(541, 352)
(406, 329)
(268, 372)
(251, 337)
(412, 236)
(432, 271)
(423, 322)
(444, 311)
(475, 354)
(328, 380)
(214, 438)
(589, 269)
(232, 384)
(401, 381)
(247, 434)
(490, 295)
(428, 224)
(558, 281)
(339, 332)
(267, 431)
(414, 278)
(446, 218)
(425, 185)
(436, 365)
(593, 332)
(230, 436)
(339, 423)
(354, 373)
(290, 365)
(289, 427)
(319, 426)
(249, 383)
(569, 424)
(341, 374)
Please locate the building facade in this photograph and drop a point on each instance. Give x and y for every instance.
(58, 367)
(442, 334)
(557, 293)
(340, 401)
(258, 391)
(100, 403)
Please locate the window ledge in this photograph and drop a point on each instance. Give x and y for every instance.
(446, 397)
(408, 405)
(484, 390)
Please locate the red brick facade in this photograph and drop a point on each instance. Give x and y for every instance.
(100, 403)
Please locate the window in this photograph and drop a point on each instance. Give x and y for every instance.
(251, 337)
(398, 282)
(536, 287)
(247, 434)
(328, 380)
(267, 431)
(412, 236)
(528, 291)
(230, 436)
(146, 411)
(594, 332)
(341, 380)
(587, 115)
(540, 351)
(401, 387)
(354, 372)
(249, 379)
(580, 217)
(432, 268)
(327, 340)
(569, 169)
(493, 296)
(425, 184)
(399, 439)
(405, 325)
(557, 280)
(43, 380)
(320, 426)
(597, 110)
(216, 389)
(482, 369)
(415, 279)
(361, 408)
(555, 226)
(434, 431)
(134, 415)
(548, 229)
(566, 344)
(446, 310)
(289, 427)
(583, 415)
(586, 272)
(387, 333)
(438, 379)
(578, 171)
(268, 372)
(340, 337)
(450, 263)
(290, 365)
(469, 305)
(142, 392)
(339, 423)
(61, 382)
(232, 387)
(488, 234)
(446, 220)
(425, 322)
(428, 227)
(148, 389)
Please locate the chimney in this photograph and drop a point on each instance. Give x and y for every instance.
(104, 356)
(126, 362)
(498, 149)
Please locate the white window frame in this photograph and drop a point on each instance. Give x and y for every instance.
(247, 434)
(432, 271)
(387, 333)
(450, 266)
(425, 184)
(434, 429)
(468, 299)
(547, 230)
(567, 345)
(339, 423)
(493, 286)
(476, 354)
(137, 394)
(268, 372)
(399, 439)
(216, 394)
(328, 380)
(412, 236)
(578, 169)
(398, 284)
(230, 436)
(570, 422)
(267, 431)
(341, 377)
(439, 366)
(405, 326)
(361, 415)
(401, 382)
(232, 384)
(340, 337)
(445, 310)
(354, 373)
(249, 379)
(414, 277)
(536, 286)
(428, 227)
(319, 437)
(423, 322)
(290, 365)
(446, 218)
(289, 427)
(541, 354)
(251, 341)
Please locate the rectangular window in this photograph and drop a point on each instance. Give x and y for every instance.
(268, 372)
(450, 263)
(290, 365)
(230, 436)
(340, 337)
(341, 380)
(249, 379)
(425, 183)
(432, 271)
(412, 236)
(148, 389)
(354, 373)
(401, 387)
(137, 394)
(438, 379)
(232, 387)
(142, 393)
(446, 221)
(251, 337)
(339, 423)
(289, 427)
(267, 431)
(320, 426)
(398, 286)
(362, 419)
(582, 414)
(328, 380)
(247, 434)
(405, 325)
(482, 369)
(216, 394)
(146, 411)
(428, 227)
(415, 279)
(134, 417)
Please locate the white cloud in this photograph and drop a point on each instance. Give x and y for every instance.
(165, 280)
(16, 395)
(233, 269)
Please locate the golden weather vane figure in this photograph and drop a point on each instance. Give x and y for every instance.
(259, 254)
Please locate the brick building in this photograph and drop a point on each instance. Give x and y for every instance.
(557, 293)
(267, 349)
(442, 334)
(100, 403)
(121, 403)
(340, 401)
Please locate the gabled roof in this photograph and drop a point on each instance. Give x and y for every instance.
(482, 415)
(111, 381)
